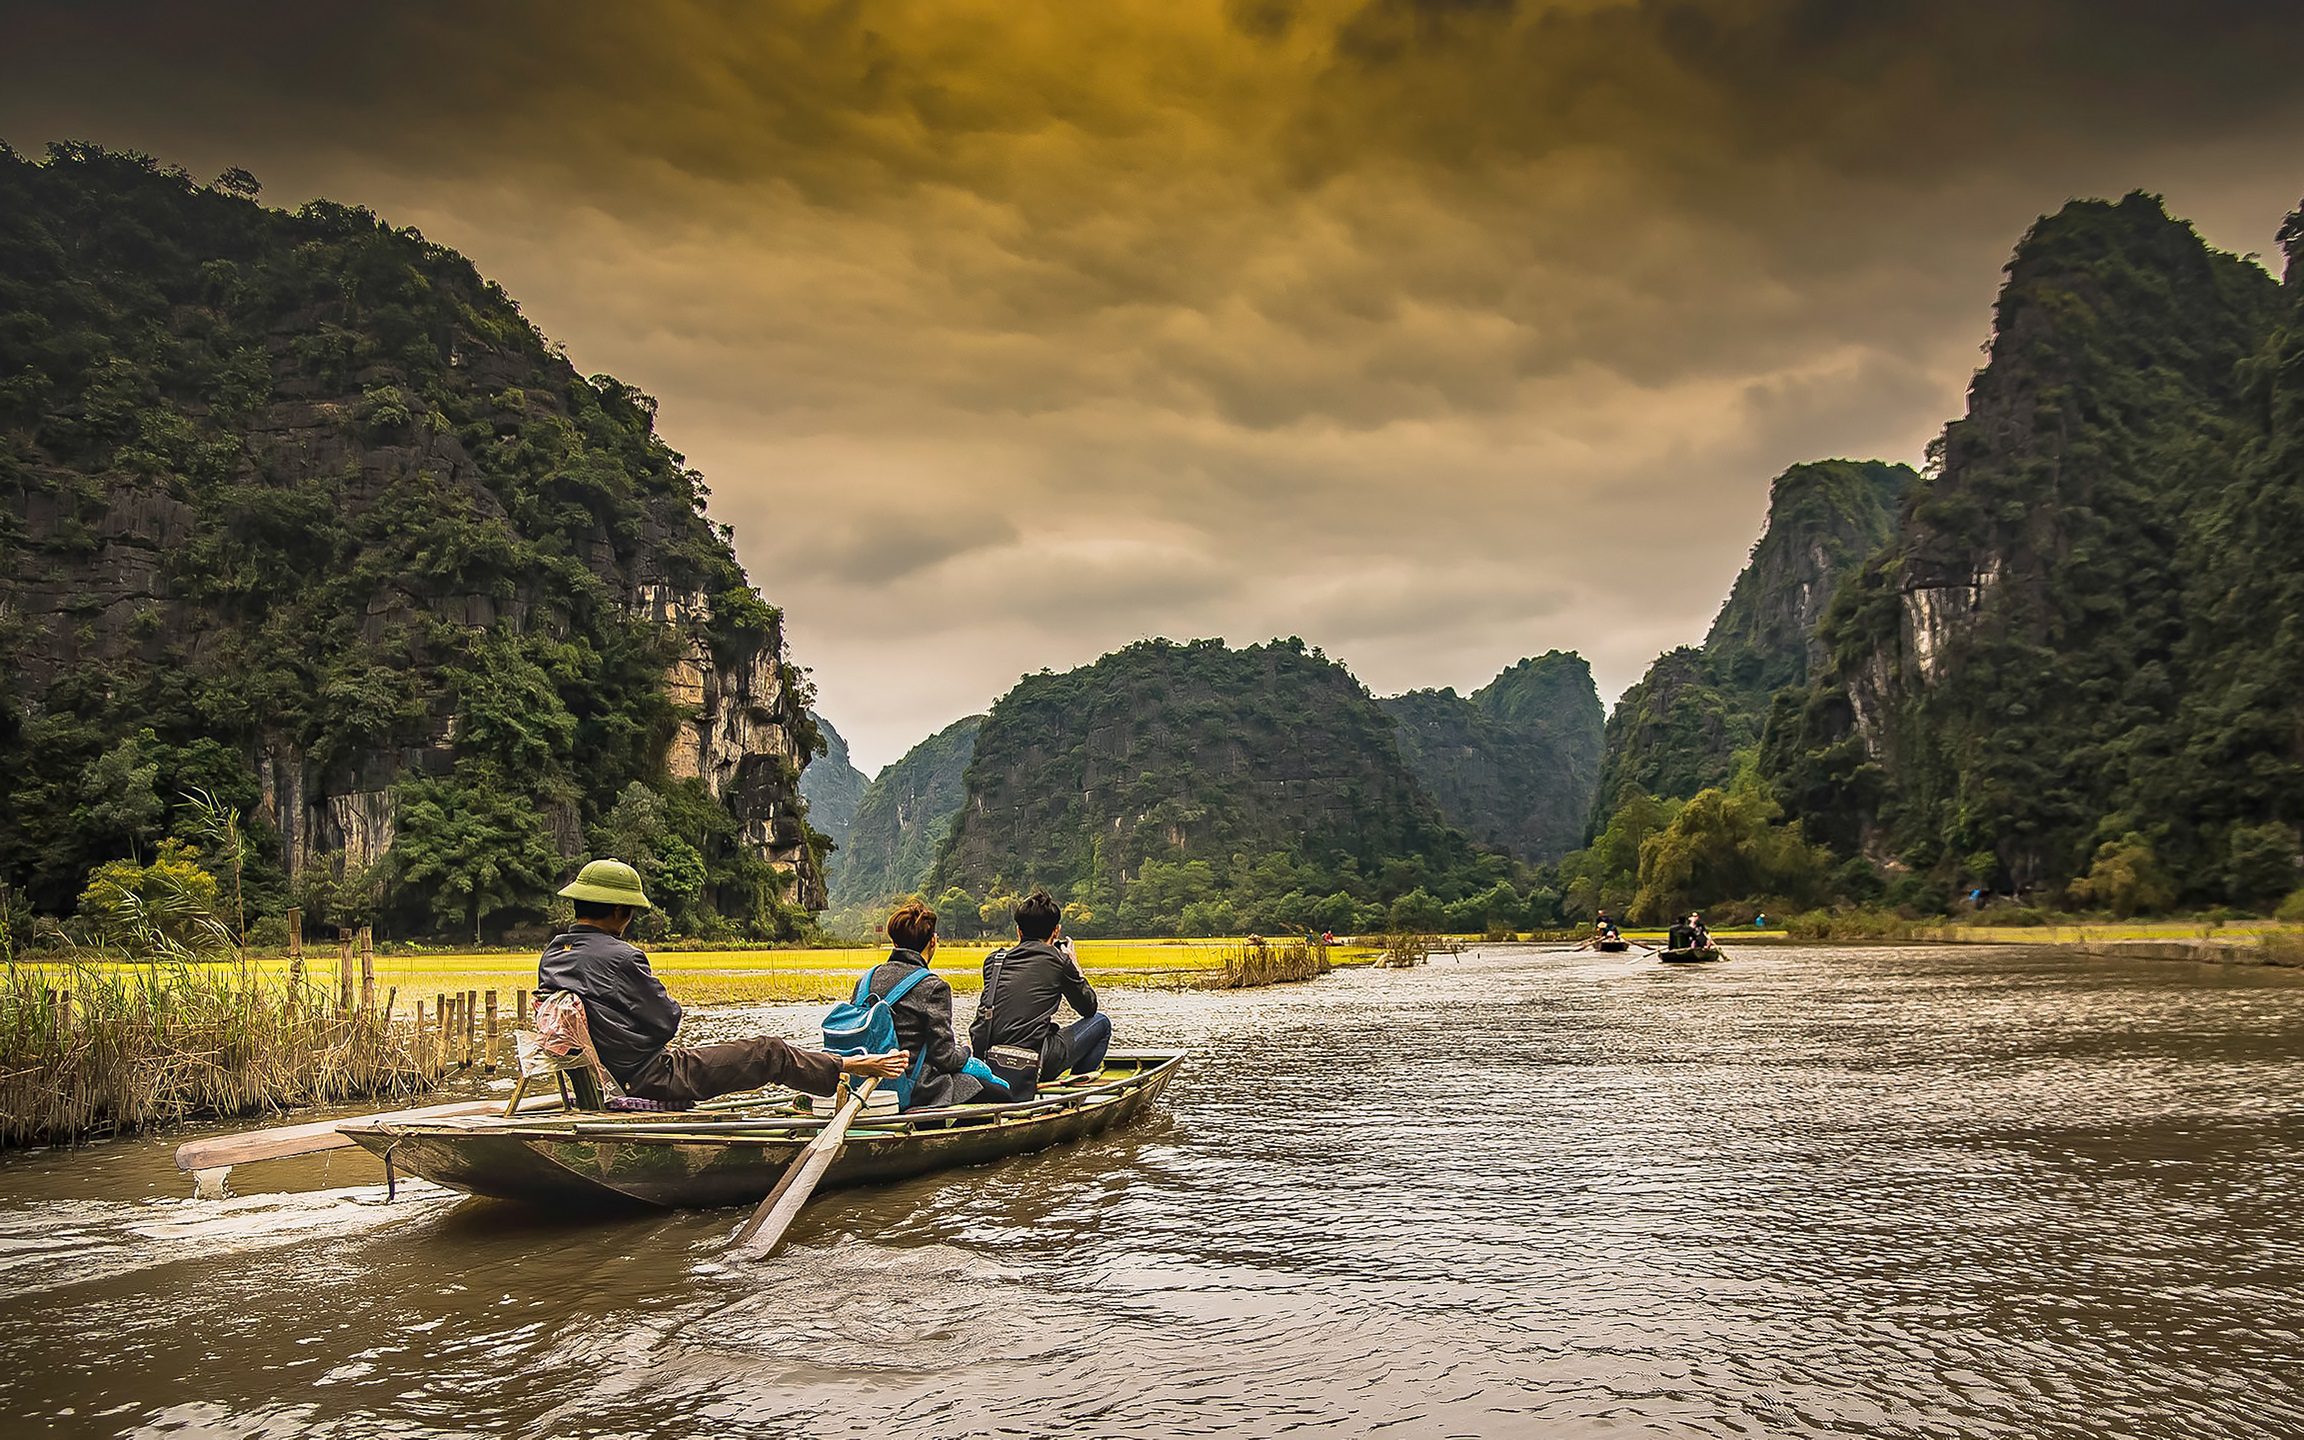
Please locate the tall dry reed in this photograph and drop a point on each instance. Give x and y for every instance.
(90, 1048)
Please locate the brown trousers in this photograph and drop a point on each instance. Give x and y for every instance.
(701, 1072)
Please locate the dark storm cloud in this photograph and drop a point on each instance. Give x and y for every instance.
(1400, 326)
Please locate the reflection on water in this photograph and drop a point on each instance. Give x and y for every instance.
(1894, 1192)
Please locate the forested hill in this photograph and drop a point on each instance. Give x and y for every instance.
(1514, 764)
(1197, 786)
(302, 512)
(904, 817)
(1679, 730)
(2075, 671)
(832, 786)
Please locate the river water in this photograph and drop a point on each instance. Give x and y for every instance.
(1941, 1192)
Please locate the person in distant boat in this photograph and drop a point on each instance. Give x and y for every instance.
(1689, 934)
(948, 1073)
(1024, 986)
(633, 1019)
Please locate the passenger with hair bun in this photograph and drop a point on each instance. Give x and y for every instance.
(947, 1073)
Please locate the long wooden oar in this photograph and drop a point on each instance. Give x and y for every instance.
(759, 1236)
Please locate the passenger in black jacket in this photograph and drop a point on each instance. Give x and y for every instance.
(633, 1019)
(948, 1074)
(1023, 986)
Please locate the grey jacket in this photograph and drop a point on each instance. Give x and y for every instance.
(924, 1026)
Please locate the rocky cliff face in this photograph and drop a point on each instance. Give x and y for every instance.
(302, 513)
(832, 786)
(904, 817)
(2007, 684)
(1679, 730)
(1513, 765)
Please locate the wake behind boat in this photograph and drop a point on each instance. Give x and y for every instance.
(733, 1155)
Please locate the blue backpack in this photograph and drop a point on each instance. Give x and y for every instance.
(866, 1025)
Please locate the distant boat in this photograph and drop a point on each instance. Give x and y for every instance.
(1614, 947)
(717, 1156)
(1696, 955)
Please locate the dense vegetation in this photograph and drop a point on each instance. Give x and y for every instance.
(303, 515)
(1513, 765)
(1197, 789)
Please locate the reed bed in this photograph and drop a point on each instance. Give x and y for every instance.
(92, 1049)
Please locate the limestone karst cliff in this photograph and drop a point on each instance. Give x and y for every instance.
(1512, 765)
(301, 511)
(2054, 655)
(1680, 728)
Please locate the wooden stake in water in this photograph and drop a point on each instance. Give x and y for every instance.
(367, 967)
(489, 1055)
(344, 973)
(471, 1025)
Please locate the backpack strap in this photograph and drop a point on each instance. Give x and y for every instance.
(897, 990)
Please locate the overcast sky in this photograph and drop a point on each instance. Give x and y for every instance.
(1439, 334)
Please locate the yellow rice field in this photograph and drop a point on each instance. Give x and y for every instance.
(727, 977)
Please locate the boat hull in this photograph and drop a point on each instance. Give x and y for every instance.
(1614, 947)
(709, 1158)
(1690, 957)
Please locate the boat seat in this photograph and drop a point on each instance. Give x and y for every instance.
(559, 1048)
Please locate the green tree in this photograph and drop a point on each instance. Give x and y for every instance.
(1725, 846)
(468, 850)
(2126, 879)
(2261, 862)
(165, 908)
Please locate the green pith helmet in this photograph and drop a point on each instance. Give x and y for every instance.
(608, 882)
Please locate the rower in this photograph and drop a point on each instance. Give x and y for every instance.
(633, 1019)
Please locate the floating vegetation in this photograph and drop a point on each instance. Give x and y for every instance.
(1260, 962)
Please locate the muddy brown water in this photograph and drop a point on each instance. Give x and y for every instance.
(1926, 1192)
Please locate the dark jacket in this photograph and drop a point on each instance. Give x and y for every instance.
(1023, 985)
(631, 1017)
(924, 1027)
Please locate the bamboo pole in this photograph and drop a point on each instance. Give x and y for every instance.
(367, 967)
(343, 972)
(490, 1053)
(471, 1026)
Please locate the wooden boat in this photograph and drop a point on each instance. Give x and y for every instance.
(1613, 947)
(734, 1155)
(1695, 956)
